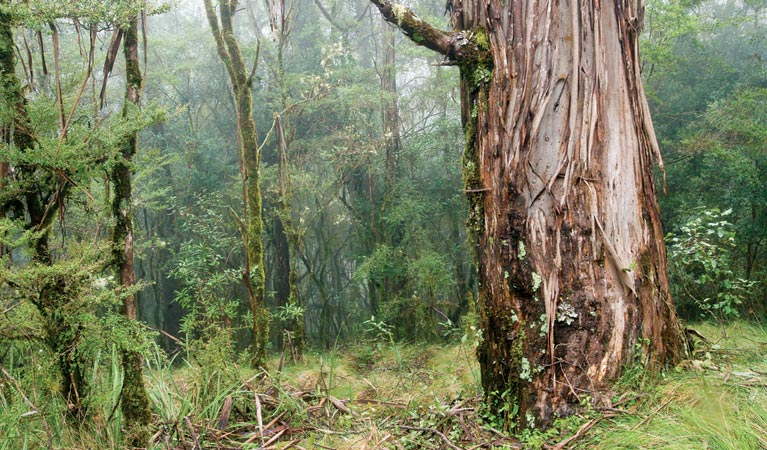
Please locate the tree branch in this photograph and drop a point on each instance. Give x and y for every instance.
(456, 45)
(333, 21)
(420, 32)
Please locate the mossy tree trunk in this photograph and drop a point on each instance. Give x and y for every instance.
(286, 234)
(558, 170)
(134, 401)
(251, 223)
(35, 197)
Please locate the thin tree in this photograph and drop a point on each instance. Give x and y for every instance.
(134, 401)
(558, 163)
(251, 223)
(286, 235)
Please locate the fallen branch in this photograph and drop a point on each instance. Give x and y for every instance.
(581, 431)
(19, 390)
(368, 401)
(339, 405)
(432, 430)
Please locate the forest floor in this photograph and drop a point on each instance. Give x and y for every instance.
(390, 396)
(383, 395)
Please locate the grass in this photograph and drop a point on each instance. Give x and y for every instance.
(391, 396)
(718, 400)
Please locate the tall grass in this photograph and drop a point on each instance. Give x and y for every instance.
(716, 401)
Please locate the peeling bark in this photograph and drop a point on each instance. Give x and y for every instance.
(558, 170)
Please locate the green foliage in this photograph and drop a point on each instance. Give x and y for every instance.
(38, 14)
(378, 330)
(702, 277)
(289, 313)
(704, 64)
(206, 266)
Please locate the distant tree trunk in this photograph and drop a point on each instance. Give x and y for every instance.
(251, 224)
(393, 285)
(284, 218)
(134, 401)
(558, 171)
(280, 13)
(390, 107)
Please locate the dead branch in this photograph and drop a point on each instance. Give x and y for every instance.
(259, 417)
(652, 414)
(18, 389)
(339, 405)
(435, 431)
(581, 431)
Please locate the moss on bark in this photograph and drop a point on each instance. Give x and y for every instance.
(251, 225)
(134, 400)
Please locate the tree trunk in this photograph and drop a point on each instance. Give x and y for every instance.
(134, 401)
(390, 108)
(558, 169)
(284, 217)
(251, 224)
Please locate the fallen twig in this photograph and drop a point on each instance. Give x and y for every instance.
(367, 401)
(581, 431)
(650, 416)
(339, 405)
(435, 431)
(275, 437)
(194, 434)
(291, 444)
(382, 441)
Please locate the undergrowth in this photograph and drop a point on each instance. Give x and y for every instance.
(388, 395)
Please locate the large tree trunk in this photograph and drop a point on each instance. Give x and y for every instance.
(558, 170)
(134, 401)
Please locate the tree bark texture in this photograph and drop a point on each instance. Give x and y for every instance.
(134, 400)
(250, 155)
(558, 171)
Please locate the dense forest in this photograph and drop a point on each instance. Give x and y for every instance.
(360, 224)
